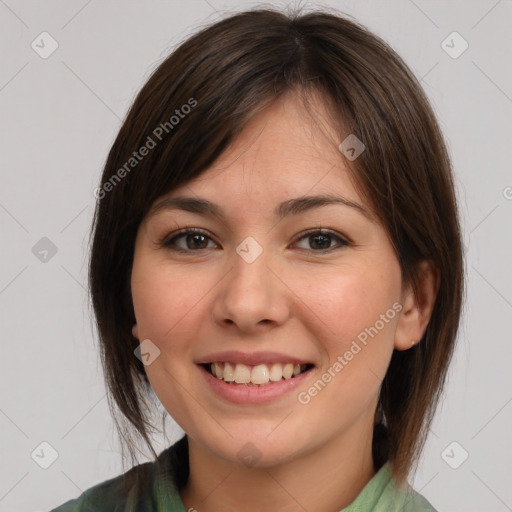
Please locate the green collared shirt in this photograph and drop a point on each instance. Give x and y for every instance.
(380, 494)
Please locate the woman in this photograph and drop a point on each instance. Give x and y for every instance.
(277, 256)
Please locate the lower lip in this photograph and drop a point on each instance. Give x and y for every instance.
(250, 394)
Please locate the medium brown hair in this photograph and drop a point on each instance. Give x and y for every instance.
(229, 71)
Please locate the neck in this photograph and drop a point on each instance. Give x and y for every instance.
(326, 479)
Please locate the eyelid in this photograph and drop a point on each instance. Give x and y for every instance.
(324, 231)
(165, 242)
(344, 241)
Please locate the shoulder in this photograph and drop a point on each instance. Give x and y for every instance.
(415, 502)
(113, 495)
(104, 496)
(401, 498)
(140, 488)
(382, 494)
(408, 499)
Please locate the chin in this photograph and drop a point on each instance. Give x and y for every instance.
(254, 451)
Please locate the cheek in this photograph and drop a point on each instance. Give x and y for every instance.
(356, 318)
(165, 301)
(358, 313)
(166, 304)
(346, 302)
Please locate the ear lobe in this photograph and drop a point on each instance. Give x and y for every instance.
(135, 331)
(417, 307)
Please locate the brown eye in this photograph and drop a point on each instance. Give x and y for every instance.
(194, 240)
(321, 240)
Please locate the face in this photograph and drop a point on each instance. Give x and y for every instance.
(297, 303)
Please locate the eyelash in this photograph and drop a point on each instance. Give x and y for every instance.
(169, 243)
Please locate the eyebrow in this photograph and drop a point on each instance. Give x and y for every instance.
(294, 206)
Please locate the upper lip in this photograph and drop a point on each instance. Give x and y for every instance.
(250, 358)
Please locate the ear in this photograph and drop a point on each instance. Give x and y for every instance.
(417, 308)
(135, 331)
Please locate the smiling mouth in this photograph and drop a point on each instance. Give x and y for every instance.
(259, 375)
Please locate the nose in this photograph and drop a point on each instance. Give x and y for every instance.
(252, 297)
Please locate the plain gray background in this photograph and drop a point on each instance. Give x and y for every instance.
(60, 115)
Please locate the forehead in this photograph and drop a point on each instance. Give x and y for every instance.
(284, 151)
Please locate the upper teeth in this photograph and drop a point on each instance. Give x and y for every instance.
(259, 374)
